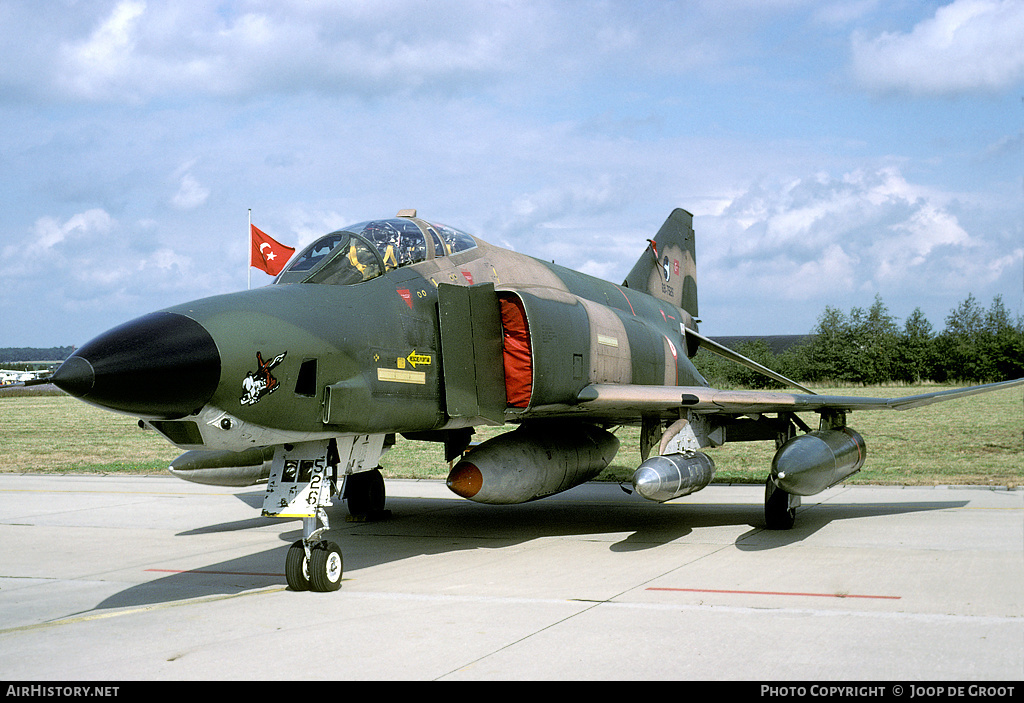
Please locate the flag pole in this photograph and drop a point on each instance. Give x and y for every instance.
(248, 251)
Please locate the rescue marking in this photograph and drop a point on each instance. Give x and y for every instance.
(608, 341)
(416, 359)
(401, 376)
(775, 593)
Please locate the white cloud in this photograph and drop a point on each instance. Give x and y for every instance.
(137, 51)
(103, 61)
(165, 259)
(49, 232)
(190, 194)
(864, 230)
(967, 46)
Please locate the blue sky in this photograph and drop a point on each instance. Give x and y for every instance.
(830, 151)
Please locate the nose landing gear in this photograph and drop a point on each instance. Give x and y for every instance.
(300, 485)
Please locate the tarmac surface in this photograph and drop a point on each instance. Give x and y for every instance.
(151, 578)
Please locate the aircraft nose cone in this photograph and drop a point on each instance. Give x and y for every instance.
(75, 376)
(160, 366)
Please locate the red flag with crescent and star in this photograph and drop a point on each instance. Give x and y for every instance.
(267, 253)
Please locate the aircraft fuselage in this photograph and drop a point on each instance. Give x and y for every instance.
(304, 361)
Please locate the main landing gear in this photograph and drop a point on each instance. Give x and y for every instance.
(365, 495)
(779, 506)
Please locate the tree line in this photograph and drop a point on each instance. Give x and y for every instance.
(869, 347)
(9, 354)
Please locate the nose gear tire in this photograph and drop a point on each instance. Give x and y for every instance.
(325, 567)
(296, 568)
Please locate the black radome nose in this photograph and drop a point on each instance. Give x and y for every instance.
(159, 366)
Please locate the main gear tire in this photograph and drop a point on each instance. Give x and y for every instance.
(778, 514)
(365, 493)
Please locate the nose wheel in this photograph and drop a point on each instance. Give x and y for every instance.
(326, 567)
(296, 567)
(314, 564)
(316, 568)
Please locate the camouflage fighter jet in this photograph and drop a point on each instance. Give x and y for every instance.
(403, 326)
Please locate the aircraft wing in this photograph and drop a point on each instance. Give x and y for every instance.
(612, 399)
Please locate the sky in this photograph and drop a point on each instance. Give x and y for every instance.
(830, 152)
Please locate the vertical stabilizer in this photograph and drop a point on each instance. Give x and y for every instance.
(668, 268)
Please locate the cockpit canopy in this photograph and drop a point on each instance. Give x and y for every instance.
(366, 250)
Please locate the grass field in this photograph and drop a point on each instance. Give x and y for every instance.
(977, 440)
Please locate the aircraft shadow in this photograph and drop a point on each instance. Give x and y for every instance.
(811, 518)
(424, 526)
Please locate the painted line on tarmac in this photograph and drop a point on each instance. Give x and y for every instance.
(774, 593)
(211, 571)
(637, 605)
(109, 492)
(587, 606)
(134, 611)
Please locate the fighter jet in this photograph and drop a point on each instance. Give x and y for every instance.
(402, 326)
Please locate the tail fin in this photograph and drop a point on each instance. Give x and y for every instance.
(668, 268)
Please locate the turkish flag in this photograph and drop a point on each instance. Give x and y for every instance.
(267, 253)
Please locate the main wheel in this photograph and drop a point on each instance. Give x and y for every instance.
(365, 493)
(325, 567)
(296, 568)
(777, 511)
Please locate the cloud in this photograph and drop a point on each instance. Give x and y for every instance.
(140, 131)
(190, 194)
(864, 230)
(783, 249)
(136, 51)
(50, 232)
(91, 263)
(967, 46)
(106, 59)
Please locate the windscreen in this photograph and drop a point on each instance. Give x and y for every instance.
(368, 249)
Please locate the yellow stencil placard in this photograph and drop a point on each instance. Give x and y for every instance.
(401, 376)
